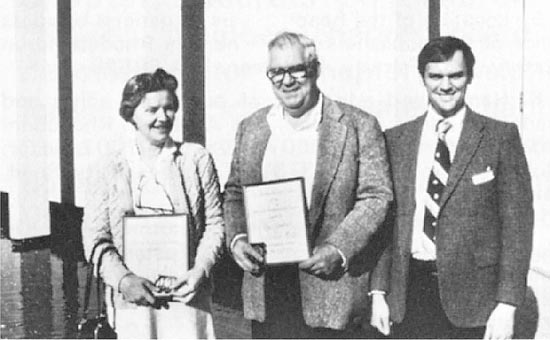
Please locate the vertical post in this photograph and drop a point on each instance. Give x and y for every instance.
(192, 79)
(434, 24)
(4, 215)
(66, 151)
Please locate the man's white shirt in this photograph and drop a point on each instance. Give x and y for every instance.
(292, 147)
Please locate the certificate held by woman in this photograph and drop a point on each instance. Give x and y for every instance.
(156, 245)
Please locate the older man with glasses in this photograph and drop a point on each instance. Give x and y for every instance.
(339, 150)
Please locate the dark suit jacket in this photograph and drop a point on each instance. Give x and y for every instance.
(350, 196)
(484, 233)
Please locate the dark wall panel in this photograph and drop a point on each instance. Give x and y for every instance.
(192, 21)
(66, 142)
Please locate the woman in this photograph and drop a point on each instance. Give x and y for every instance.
(155, 175)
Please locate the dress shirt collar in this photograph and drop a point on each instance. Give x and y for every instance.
(456, 120)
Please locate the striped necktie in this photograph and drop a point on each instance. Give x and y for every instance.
(438, 179)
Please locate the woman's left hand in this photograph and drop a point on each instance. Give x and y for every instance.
(187, 285)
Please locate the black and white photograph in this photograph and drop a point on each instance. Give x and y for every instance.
(415, 130)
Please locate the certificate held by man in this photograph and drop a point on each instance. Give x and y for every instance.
(276, 216)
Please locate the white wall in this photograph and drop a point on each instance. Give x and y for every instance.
(113, 41)
(493, 31)
(536, 123)
(7, 95)
(29, 114)
(367, 51)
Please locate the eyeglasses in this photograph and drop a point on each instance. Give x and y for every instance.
(296, 72)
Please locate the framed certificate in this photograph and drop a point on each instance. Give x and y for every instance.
(276, 215)
(156, 245)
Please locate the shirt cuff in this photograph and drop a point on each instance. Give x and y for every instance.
(235, 239)
(344, 259)
(377, 292)
(342, 255)
(119, 281)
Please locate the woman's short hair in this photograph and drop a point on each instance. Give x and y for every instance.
(138, 86)
(442, 49)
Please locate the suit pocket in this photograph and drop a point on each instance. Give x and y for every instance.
(487, 257)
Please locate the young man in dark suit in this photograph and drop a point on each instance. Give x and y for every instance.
(462, 222)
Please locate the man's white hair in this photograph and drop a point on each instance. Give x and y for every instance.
(290, 38)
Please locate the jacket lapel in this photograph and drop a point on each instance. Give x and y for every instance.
(468, 143)
(121, 191)
(255, 150)
(332, 138)
(405, 176)
(410, 140)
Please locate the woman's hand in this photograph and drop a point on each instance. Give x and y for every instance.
(380, 317)
(187, 285)
(137, 290)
